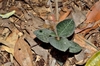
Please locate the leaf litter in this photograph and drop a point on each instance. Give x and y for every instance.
(20, 18)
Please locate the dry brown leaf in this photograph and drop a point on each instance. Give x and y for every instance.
(7, 23)
(23, 54)
(83, 26)
(85, 43)
(40, 51)
(18, 11)
(89, 27)
(64, 13)
(81, 57)
(9, 50)
(78, 15)
(94, 13)
(13, 37)
(42, 11)
(6, 43)
(92, 16)
(6, 33)
(33, 24)
(10, 41)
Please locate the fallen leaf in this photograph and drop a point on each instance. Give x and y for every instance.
(23, 54)
(7, 23)
(7, 15)
(17, 9)
(42, 11)
(64, 13)
(32, 25)
(94, 60)
(7, 64)
(40, 51)
(30, 40)
(9, 50)
(13, 37)
(82, 57)
(88, 28)
(85, 43)
(6, 43)
(94, 13)
(6, 33)
(10, 41)
(80, 16)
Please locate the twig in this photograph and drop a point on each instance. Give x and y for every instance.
(56, 8)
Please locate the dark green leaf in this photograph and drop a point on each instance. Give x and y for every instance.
(63, 44)
(44, 34)
(74, 48)
(65, 28)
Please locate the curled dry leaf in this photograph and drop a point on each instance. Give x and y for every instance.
(94, 13)
(23, 54)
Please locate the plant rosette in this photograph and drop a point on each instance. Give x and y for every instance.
(64, 30)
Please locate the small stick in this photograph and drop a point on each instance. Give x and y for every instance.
(56, 8)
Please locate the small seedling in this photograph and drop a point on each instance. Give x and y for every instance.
(64, 30)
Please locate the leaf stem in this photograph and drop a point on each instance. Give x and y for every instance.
(55, 30)
(57, 17)
(56, 8)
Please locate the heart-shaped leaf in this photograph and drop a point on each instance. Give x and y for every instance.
(94, 60)
(65, 28)
(63, 44)
(74, 48)
(44, 34)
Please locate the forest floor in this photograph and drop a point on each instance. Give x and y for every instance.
(19, 19)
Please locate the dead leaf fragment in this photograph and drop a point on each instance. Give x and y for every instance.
(40, 51)
(64, 13)
(13, 37)
(84, 43)
(10, 41)
(94, 13)
(23, 54)
(78, 16)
